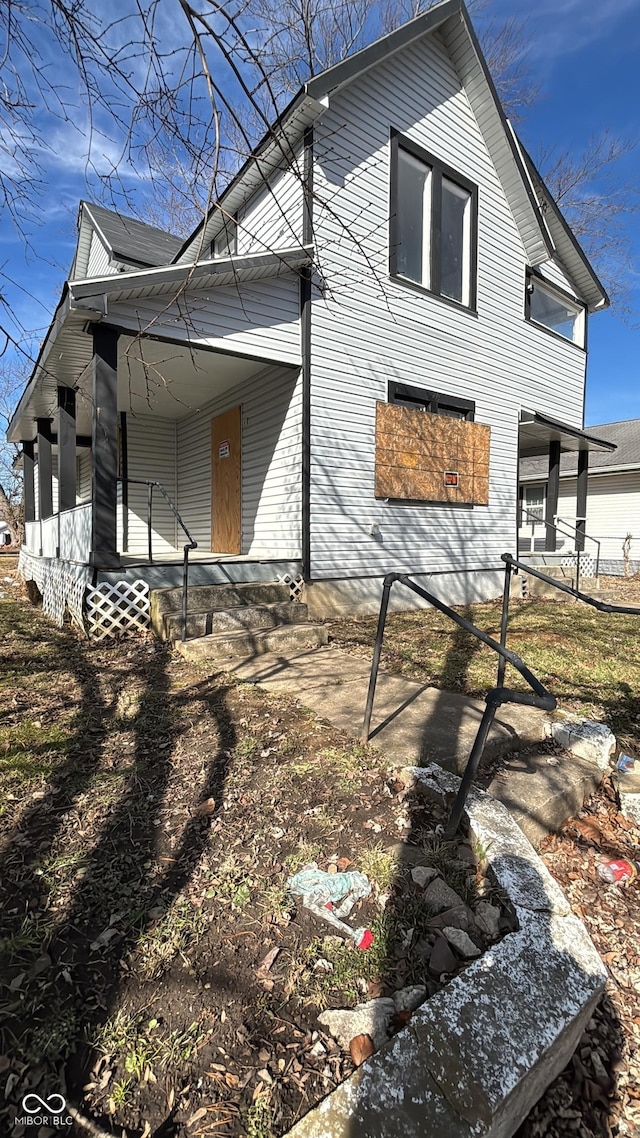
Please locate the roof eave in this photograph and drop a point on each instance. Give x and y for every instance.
(167, 274)
(61, 313)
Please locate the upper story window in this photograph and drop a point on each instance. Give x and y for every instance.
(433, 224)
(225, 243)
(435, 402)
(554, 310)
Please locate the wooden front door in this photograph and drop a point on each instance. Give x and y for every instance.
(226, 459)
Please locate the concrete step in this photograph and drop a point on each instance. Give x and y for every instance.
(211, 598)
(542, 790)
(225, 645)
(234, 619)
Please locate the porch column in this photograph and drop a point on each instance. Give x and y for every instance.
(553, 489)
(28, 487)
(45, 472)
(581, 499)
(104, 546)
(66, 448)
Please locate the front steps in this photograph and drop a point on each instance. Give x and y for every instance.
(231, 620)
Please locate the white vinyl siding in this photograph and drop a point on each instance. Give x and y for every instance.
(54, 485)
(369, 329)
(151, 451)
(613, 511)
(99, 264)
(259, 317)
(272, 218)
(83, 476)
(271, 464)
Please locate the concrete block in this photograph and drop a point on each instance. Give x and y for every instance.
(585, 738)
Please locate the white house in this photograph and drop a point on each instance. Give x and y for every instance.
(331, 376)
(612, 502)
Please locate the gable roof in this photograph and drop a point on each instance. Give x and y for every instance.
(569, 249)
(130, 240)
(625, 435)
(516, 171)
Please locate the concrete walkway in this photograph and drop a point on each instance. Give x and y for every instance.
(414, 725)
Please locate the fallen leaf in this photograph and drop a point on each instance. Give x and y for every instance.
(344, 863)
(588, 830)
(204, 809)
(361, 1048)
(265, 965)
(400, 1019)
(196, 1116)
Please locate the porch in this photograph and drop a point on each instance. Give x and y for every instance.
(163, 446)
(546, 532)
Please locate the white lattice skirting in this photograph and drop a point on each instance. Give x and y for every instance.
(113, 610)
(101, 611)
(587, 563)
(61, 584)
(296, 584)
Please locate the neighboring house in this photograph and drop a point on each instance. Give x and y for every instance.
(5, 535)
(331, 376)
(612, 504)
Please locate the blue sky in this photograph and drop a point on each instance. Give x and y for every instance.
(584, 55)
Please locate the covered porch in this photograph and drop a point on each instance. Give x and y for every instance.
(543, 531)
(138, 441)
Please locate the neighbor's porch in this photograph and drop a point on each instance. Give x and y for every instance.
(543, 529)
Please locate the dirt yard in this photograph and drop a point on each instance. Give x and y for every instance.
(153, 968)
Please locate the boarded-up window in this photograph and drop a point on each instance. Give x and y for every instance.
(430, 458)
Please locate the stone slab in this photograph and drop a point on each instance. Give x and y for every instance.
(222, 645)
(541, 791)
(476, 1057)
(412, 723)
(584, 738)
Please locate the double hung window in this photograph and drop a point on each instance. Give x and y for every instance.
(433, 225)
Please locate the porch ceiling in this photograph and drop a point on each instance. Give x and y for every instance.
(167, 379)
(537, 431)
(174, 381)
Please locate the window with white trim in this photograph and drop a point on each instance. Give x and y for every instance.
(555, 310)
(433, 224)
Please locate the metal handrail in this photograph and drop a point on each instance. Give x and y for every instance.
(556, 525)
(494, 698)
(190, 544)
(514, 565)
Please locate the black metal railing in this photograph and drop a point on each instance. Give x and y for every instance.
(494, 698)
(189, 545)
(514, 565)
(567, 530)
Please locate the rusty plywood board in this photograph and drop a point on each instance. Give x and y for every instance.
(416, 449)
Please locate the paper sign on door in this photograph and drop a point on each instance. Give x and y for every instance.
(224, 450)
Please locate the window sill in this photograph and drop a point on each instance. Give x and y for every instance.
(556, 335)
(408, 283)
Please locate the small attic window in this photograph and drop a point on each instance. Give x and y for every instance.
(555, 310)
(225, 243)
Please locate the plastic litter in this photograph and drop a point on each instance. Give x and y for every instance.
(625, 764)
(321, 891)
(618, 870)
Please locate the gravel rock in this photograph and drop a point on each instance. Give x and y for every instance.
(440, 896)
(442, 959)
(487, 918)
(423, 874)
(459, 917)
(408, 999)
(462, 942)
(372, 1018)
